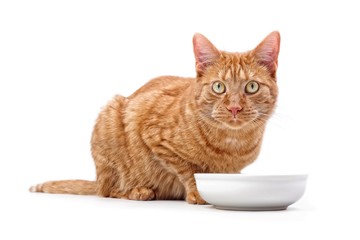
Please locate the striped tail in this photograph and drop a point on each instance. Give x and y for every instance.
(80, 187)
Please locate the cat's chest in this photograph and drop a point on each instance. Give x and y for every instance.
(228, 154)
(217, 155)
(231, 156)
(228, 148)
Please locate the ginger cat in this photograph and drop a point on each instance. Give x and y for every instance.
(149, 145)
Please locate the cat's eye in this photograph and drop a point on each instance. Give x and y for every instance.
(218, 87)
(252, 87)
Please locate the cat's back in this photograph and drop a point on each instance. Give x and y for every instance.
(163, 86)
(156, 105)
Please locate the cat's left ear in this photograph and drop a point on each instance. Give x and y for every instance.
(267, 52)
(205, 53)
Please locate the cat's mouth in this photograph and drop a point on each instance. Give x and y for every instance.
(234, 122)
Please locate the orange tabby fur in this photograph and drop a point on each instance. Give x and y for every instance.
(149, 145)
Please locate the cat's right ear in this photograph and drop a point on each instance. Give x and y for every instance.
(205, 53)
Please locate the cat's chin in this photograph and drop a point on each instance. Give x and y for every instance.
(235, 124)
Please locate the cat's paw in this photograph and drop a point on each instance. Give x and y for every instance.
(194, 198)
(142, 194)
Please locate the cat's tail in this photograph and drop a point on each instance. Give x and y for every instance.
(80, 187)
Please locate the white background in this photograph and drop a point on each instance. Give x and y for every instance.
(60, 61)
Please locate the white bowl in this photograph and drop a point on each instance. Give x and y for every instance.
(249, 192)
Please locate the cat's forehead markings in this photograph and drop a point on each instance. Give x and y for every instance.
(223, 74)
(228, 75)
(234, 74)
(242, 74)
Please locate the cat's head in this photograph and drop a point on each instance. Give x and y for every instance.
(234, 89)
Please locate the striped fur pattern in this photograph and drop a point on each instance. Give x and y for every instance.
(149, 145)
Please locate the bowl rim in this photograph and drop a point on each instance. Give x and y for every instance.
(236, 176)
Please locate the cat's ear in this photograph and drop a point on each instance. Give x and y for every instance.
(205, 53)
(267, 52)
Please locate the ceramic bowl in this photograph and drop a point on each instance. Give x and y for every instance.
(250, 192)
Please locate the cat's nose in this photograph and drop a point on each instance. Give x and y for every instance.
(234, 110)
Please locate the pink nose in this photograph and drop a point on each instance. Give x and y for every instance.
(234, 110)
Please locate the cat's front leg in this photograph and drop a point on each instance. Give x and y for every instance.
(188, 180)
(192, 194)
(185, 172)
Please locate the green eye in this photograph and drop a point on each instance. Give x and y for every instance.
(218, 87)
(252, 87)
